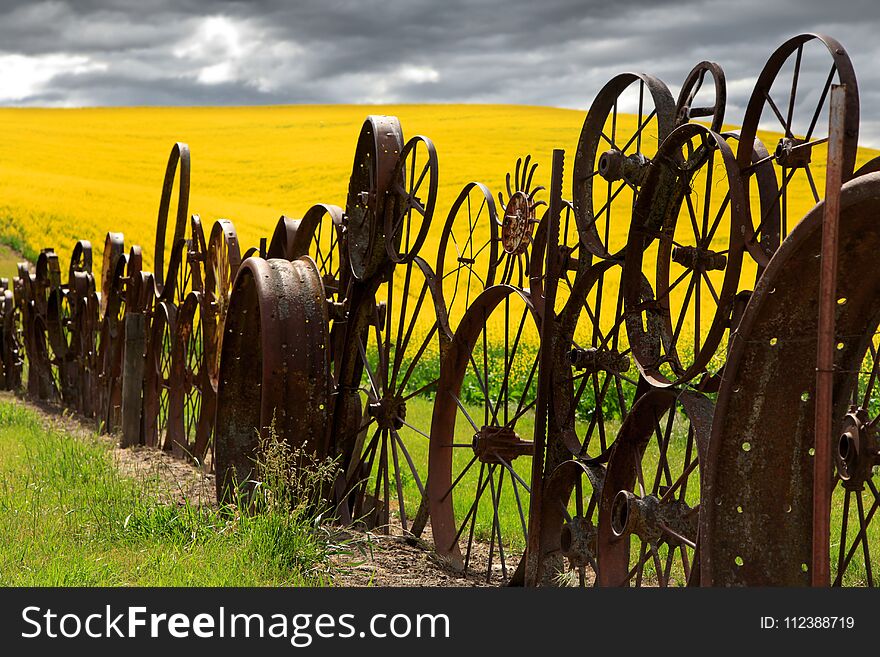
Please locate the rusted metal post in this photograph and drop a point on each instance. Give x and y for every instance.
(132, 379)
(822, 481)
(545, 365)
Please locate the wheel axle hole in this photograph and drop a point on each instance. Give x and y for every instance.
(739, 560)
(739, 509)
(812, 451)
(747, 446)
(773, 341)
(805, 396)
(839, 346)
(841, 301)
(620, 513)
(804, 567)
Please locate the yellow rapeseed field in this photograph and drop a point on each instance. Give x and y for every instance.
(68, 174)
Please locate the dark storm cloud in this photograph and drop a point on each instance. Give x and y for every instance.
(548, 52)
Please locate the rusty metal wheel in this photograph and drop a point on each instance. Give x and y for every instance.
(688, 227)
(613, 157)
(12, 354)
(467, 255)
(574, 257)
(411, 199)
(87, 365)
(519, 219)
(179, 158)
(191, 396)
(375, 161)
(111, 344)
(386, 450)
(695, 103)
(268, 378)
(796, 102)
(44, 365)
(480, 448)
(757, 515)
(650, 503)
(569, 525)
(197, 255)
(222, 262)
(157, 379)
(320, 235)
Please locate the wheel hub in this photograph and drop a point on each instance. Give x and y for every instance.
(650, 519)
(499, 445)
(519, 219)
(858, 449)
(598, 359)
(578, 541)
(696, 258)
(614, 166)
(389, 412)
(792, 152)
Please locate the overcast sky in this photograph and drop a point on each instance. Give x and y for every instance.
(545, 52)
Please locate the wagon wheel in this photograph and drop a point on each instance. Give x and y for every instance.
(385, 451)
(157, 379)
(378, 149)
(518, 223)
(468, 249)
(197, 255)
(692, 104)
(87, 367)
(265, 379)
(114, 248)
(411, 199)
(191, 397)
(44, 364)
(613, 156)
(569, 524)
(320, 235)
(47, 277)
(692, 191)
(650, 502)
(13, 355)
(80, 260)
(792, 103)
(111, 344)
(179, 156)
(60, 319)
(221, 265)
(479, 458)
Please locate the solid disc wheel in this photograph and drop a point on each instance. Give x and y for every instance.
(158, 375)
(387, 449)
(191, 398)
(788, 96)
(650, 503)
(412, 198)
(274, 371)
(468, 251)
(613, 156)
(378, 150)
(222, 262)
(688, 228)
(480, 448)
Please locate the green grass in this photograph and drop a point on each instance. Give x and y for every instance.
(68, 518)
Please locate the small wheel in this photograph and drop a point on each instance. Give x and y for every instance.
(197, 254)
(157, 379)
(693, 102)
(378, 150)
(80, 259)
(796, 102)
(613, 156)
(650, 503)
(468, 250)
(688, 223)
(221, 265)
(518, 223)
(569, 525)
(385, 450)
(320, 235)
(266, 380)
(480, 457)
(191, 397)
(179, 155)
(409, 207)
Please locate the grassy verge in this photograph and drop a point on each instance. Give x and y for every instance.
(68, 518)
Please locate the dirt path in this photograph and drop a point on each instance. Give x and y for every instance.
(375, 558)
